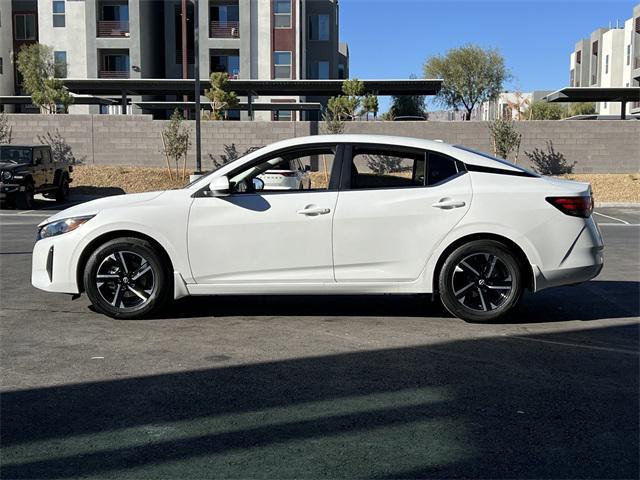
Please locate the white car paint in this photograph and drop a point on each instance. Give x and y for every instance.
(332, 241)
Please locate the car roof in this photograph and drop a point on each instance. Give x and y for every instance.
(466, 156)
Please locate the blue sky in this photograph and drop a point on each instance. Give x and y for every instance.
(392, 38)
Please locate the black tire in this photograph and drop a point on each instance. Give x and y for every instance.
(118, 298)
(474, 290)
(62, 193)
(24, 199)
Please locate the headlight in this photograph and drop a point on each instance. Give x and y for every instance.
(6, 175)
(62, 226)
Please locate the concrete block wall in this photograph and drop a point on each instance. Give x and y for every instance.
(597, 146)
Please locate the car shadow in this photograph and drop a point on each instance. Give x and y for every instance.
(493, 407)
(594, 300)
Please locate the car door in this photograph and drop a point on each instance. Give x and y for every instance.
(261, 237)
(48, 167)
(395, 208)
(39, 169)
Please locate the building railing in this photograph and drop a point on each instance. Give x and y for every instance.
(117, 28)
(113, 74)
(224, 30)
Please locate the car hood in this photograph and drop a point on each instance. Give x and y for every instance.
(95, 206)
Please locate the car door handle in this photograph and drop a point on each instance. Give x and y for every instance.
(448, 203)
(313, 211)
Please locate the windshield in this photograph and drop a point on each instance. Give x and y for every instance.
(15, 154)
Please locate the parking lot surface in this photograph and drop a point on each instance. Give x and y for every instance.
(322, 386)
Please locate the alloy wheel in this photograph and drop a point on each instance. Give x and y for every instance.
(482, 282)
(125, 279)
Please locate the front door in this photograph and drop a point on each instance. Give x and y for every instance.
(397, 207)
(263, 236)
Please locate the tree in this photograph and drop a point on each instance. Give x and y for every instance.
(582, 108)
(383, 164)
(60, 149)
(347, 106)
(370, 105)
(407, 106)
(230, 154)
(38, 69)
(176, 139)
(550, 162)
(506, 138)
(221, 99)
(541, 110)
(333, 124)
(5, 129)
(471, 75)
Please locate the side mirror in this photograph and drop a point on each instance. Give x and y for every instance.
(219, 186)
(307, 168)
(258, 184)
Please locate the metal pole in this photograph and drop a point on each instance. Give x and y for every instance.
(623, 110)
(185, 59)
(124, 102)
(196, 74)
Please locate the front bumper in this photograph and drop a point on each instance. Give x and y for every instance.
(10, 189)
(53, 264)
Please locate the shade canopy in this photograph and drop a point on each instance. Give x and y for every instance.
(595, 94)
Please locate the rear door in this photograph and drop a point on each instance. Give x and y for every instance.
(394, 208)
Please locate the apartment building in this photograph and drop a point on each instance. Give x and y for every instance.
(247, 39)
(610, 57)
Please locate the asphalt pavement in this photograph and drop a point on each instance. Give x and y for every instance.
(322, 387)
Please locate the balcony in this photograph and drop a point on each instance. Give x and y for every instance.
(113, 28)
(226, 29)
(113, 74)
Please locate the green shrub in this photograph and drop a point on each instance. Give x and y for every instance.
(550, 162)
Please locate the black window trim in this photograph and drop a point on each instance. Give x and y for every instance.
(345, 173)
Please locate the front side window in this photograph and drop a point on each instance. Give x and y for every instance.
(58, 13)
(24, 26)
(60, 64)
(283, 172)
(319, 27)
(282, 65)
(282, 13)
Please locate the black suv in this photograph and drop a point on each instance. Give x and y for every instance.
(29, 169)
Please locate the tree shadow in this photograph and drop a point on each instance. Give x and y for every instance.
(492, 408)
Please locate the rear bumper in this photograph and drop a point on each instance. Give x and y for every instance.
(583, 261)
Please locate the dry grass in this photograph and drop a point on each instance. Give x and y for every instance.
(103, 180)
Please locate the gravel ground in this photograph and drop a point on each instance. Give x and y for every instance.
(104, 180)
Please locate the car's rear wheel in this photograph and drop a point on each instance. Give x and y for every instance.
(480, 281)
(127, 278)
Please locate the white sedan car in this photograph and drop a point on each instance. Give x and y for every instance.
(397, 216)
(287, 174)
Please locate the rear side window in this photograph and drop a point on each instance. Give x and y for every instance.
(381, 168)
(441, 168)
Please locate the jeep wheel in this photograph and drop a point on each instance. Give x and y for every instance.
(63, 190)
(24, 199)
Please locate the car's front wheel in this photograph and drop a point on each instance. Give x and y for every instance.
(127, 278)
(480, 281)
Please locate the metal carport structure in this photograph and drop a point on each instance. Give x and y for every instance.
(597, 94)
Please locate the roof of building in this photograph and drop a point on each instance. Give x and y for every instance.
(595, 94)
(155, 86)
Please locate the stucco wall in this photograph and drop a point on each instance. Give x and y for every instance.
(602, 146)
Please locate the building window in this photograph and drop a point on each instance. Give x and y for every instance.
(319, 70)
(58, 13)
(60, 64)
(282, 65)
(606, 64)
(282, 13)
(579, 57)
(227, 61)
(319, 27)
(1, 67)
(629, 54)
(282, 116)
(341, 74)
(25, 26)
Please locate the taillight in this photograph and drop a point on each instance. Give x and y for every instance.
(574, 206)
